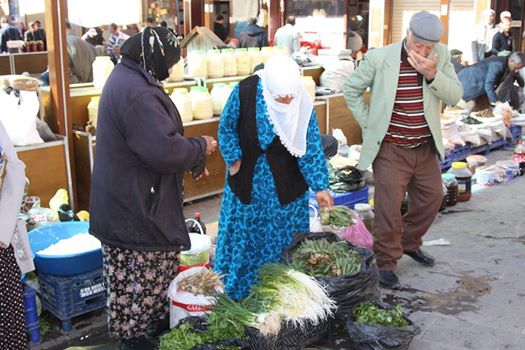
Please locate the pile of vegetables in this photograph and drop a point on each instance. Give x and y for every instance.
(370, 313)
(339, 215)
(224, 322)
(205, 282)
(345, 179)
(284, 295)
(321, 258)
(471, 121)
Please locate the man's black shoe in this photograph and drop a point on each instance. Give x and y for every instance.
(421, 257)
(140, 343)
(388, 279)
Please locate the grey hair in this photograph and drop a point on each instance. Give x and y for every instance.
(518, 57)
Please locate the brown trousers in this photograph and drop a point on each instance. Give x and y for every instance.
(397, 171)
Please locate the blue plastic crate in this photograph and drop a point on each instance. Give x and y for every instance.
(497, 144)
(447, 161)
(515, 135)
(31, 315)
(479, 149)
(350, 199)
(71, 296)
(460, 153)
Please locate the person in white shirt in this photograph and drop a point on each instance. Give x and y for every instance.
(482, 43)
(288, 36)
(115, 41)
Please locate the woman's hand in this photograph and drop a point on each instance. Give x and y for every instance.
(204, 173)
(324, 199)
(211, 144)
(234, 169)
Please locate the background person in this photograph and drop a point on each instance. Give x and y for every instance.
(269, 139)
(136, 190)
(402, 137)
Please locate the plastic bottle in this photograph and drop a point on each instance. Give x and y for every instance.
(102, 68)
(217, 93)
(266, 53)
(230, 62)
(201, 103)
(215, 64)
(197, 65)
(464, 178)
(450, 182)
(182, 100)
(255, 57)
(93, 110)
(519, 155)
(366, 214)
(177, 72)
(243, 62)
(198, 224)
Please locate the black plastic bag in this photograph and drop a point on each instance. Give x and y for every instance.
(376, 337)
(290, 337)
(346, 291)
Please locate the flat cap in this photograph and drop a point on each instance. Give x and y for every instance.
(455, 52)
(426, 27)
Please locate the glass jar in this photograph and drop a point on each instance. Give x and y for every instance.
(230, 62)
(364, 211)
(450, 182)
(464, 178)
(201, 103)
(182, 100)
(102, 68)
(309, 83)
(197, 65)
(255, 57)
(243, 62)
(177, 72)
(215, 64)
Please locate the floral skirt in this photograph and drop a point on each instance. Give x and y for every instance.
(12, 312)
(137, 285)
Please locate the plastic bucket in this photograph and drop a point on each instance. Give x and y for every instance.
(486, 177)
(199, 252)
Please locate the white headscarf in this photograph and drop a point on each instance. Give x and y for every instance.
(281, 77)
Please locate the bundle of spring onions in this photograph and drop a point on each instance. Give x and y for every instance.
(284, 295)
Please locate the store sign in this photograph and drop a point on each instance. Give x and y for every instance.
(90, 14)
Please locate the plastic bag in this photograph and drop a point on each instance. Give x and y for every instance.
(18, 114)
(469, 134)
(358, 234)
(315, 221)
(184, 304)
(376, 337)
(451, 132)
(346, 291)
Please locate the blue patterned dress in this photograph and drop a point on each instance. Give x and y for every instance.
(255, 234)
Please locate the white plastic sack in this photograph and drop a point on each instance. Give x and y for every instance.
(497, 125)
(340, 137)
(470, 134)
(184, 304)
(18, 114)
(315, 221)
(485, 133)
(451, 132)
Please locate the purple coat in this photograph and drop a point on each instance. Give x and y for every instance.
(136, 187)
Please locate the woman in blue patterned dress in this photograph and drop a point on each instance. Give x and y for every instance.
(265, 198)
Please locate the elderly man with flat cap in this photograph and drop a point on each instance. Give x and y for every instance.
(402, 138)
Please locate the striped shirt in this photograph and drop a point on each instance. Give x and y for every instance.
(408, 126)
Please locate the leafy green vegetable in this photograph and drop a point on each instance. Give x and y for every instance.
(339, 215)
(370, 313)
(321, 258)
(226, 321)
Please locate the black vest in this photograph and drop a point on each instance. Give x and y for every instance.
(289, 181)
